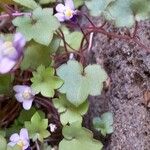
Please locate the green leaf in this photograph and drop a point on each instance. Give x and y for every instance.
(19, 122)
(16, 147)
(72, 38)
(75, 85)
(25, 115)
(27, 3)
(68, 112)
(79, 82)
(2, 132)
(95, 77)
(55, 44)
(97, 7)
(5, 83)
(40, 26)
(104, 124)
(14, 128)
(46, 146)
(77, 137)
(45, 82)
(78, 3)
(46, 1)
(3, 143)
(141, 9)
(121, 13)
(37, 127)
(35, 55)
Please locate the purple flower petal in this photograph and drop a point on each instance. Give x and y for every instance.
(21, 88)
(27, 104)
(70, 4)
(25, 95)
(26, 145)
(7, 50)
(19, 97)
(6, 65)
(22, 139)
(60, 8)
(1, 41)
(24, 134)
(19, 42)
(74, 19)
(1, 56)
(14, 138)
(60, 17)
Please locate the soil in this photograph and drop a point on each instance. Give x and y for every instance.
(128, 94)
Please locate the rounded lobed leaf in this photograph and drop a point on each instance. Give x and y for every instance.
(77, 137)
(124, 13)
(3, 143)
(104, 124)
(79, 83)
(45, 82)
(34, 27)
(68, 112)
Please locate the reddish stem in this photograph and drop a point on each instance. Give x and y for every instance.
(135, 30)
(16, 14)
(114, 35)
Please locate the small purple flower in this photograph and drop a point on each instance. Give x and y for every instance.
(65, 12)
(21, 139)
(11, 52)
(24, 95)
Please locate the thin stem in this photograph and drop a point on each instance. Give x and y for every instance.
(47, 104)
(65, 43)
(89, 20)
(37, 145)
(63, 38)
(82, 31)
(140, 44)
(135, 29)
(103, 24)
(114, 35)
(16, 14)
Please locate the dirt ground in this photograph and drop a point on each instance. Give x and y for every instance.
(128, 67)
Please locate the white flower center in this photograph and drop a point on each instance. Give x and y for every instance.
(7, 49)
(27, 95)
(68, 12)
(20, 143)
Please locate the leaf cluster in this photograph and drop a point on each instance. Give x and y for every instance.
(104, 124)
(37, 127)
(33, 26)
(68, 112)
(77, 137)
(45, 82)
(122, 12)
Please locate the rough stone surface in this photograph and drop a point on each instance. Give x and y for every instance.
(128, 67)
